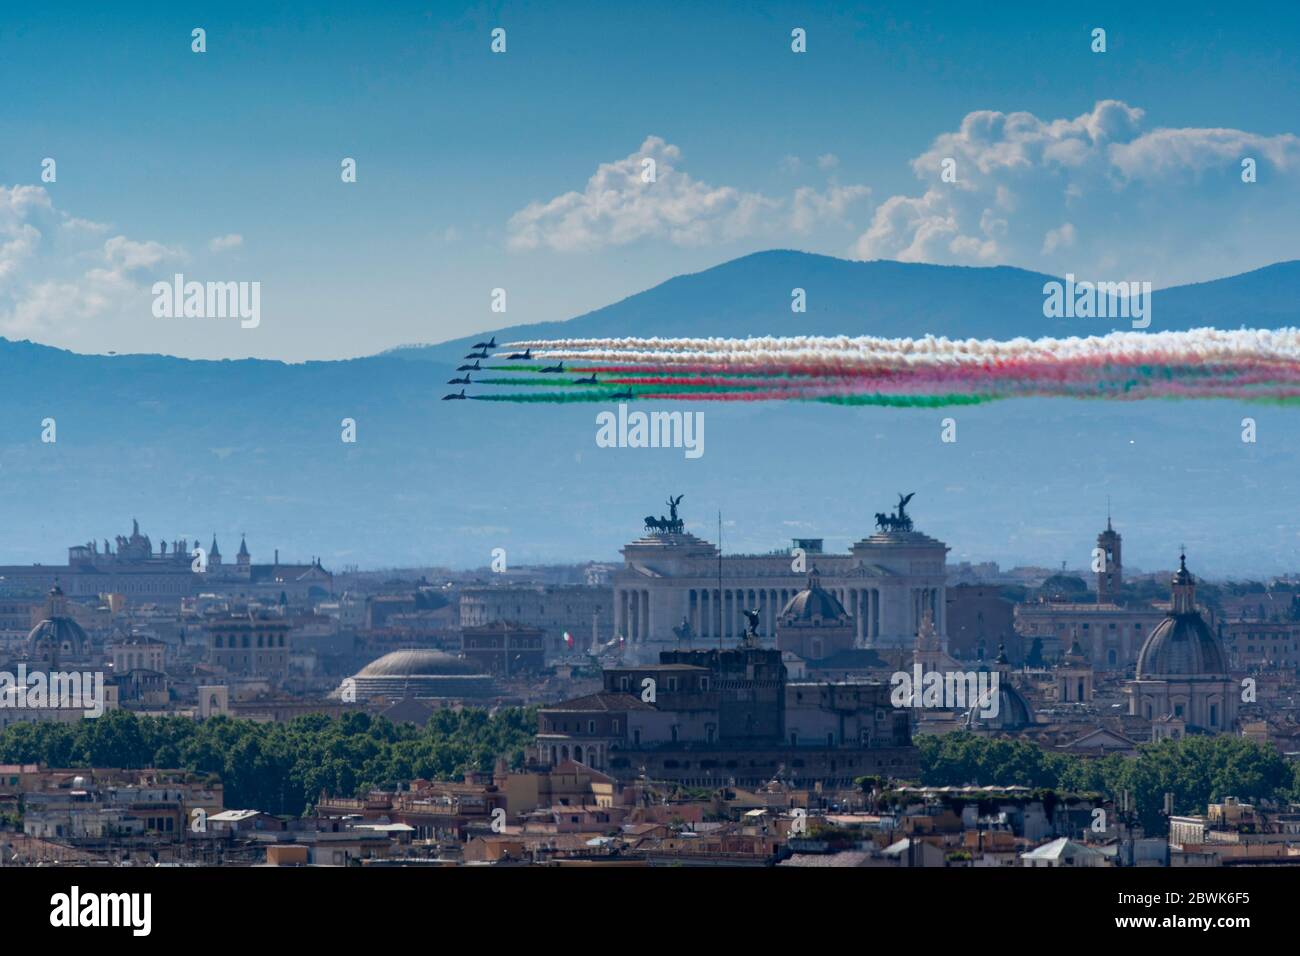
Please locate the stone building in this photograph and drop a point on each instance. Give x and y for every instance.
(249, 645)
(1254, 644)
(1108, 631)
(728, 717)
(504, 647)
(979, 619)
(675, 589)
(584, 612)
(133, 567)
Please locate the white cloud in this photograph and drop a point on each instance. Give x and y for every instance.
(618, 207)
(810, 208)
(125, 255)
(223, 243)
(22, 209)
(1094, 191)
(57, 274)
(1061, 238)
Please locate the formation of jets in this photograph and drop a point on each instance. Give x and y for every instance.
(481, 352)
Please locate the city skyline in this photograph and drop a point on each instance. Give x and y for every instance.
(704, 529)
(599, 438)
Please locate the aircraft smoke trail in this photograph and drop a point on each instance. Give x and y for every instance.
(1246, 364)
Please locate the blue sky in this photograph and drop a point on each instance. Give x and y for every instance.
(476, 170)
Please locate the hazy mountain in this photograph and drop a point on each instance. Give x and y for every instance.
(253, 446)
(751, 296)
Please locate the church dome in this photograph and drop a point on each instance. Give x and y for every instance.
(58, 636)
(813, 605)
(412, 663)
(1013, 713)
(1182, 645)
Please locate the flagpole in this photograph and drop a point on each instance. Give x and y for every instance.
(721, 600)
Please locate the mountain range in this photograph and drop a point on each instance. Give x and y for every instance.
(251, 446)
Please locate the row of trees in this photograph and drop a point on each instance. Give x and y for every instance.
(282, 767)
(1196, 770)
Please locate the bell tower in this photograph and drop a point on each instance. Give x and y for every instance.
(1111, 573)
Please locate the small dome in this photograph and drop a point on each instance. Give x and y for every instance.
(813, 605)
(417, 662)
(58, 636)
(1014, 712)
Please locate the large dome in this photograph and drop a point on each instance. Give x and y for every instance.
(1181, 646)
(421, 673)
(412, 663)
(813, 605)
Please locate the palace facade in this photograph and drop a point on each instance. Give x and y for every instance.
(675, 591)
(132, 567)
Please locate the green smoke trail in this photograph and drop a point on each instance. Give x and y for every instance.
(540, 382)
(551, 398)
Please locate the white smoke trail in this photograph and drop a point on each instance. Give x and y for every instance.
(1197, 346)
